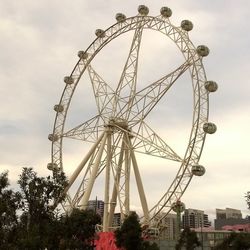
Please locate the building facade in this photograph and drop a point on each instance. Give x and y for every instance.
(228, 213)
(228, 217)
(116, 220)
(169, 227)
(97, 206)
(194, 218)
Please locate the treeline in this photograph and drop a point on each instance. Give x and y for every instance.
(29, 220)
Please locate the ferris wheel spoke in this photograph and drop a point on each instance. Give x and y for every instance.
(88, 161)
(127, 84)
(139, 185)
(148, 142)
(104, 94)
(101, 166)
(147, 98)
(87, 131)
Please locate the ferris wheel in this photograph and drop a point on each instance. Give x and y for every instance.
(119, 128)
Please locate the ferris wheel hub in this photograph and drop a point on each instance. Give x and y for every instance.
(119, 122)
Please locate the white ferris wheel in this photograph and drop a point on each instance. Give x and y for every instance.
(119, 130)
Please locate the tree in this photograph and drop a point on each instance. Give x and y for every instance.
(39, 225)
(129, 236)
(236, 241)
(247, 196)
(9, 203)
(38, 194)
(78, 229)
(188, 239)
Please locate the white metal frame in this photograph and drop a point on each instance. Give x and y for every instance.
(119, 130)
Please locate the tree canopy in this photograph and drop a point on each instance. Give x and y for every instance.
(29, 220)
(9, 204)
(247, 196)
(236, 241)
(188, 239)
(78, 229)
(129, 236)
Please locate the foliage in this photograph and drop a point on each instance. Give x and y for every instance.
(236, 241)
(78, 229)
(247, 196)
(29, 220)
(38, 194)
(9, 203)
(129, 236)
(188, 239)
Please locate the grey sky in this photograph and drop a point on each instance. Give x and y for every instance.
(39, 43)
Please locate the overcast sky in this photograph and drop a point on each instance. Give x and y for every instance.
(39, 41)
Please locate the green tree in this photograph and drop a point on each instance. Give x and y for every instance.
(38, 195)
(129, 236)
(188, 239)
(78, 230)
(247, 196)
(235, 241)
(9, 203)
(39, 225)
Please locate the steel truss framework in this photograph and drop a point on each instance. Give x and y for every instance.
(119, 130)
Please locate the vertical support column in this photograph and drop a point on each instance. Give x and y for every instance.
(127, 175)
(139, 186)
(116, 187)
(178, 207)
(178, 222)
(107, 181)
(82, 164)
(91, 181)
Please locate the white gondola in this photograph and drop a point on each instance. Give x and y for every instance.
(68, 80)
(202, 50)
(198, 170)
(209, 127)
(100, 33)
(211, 86)
(143, 10)
(120, 17)
(166, 12)
(187, 25)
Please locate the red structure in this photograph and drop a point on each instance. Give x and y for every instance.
(106, 241)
